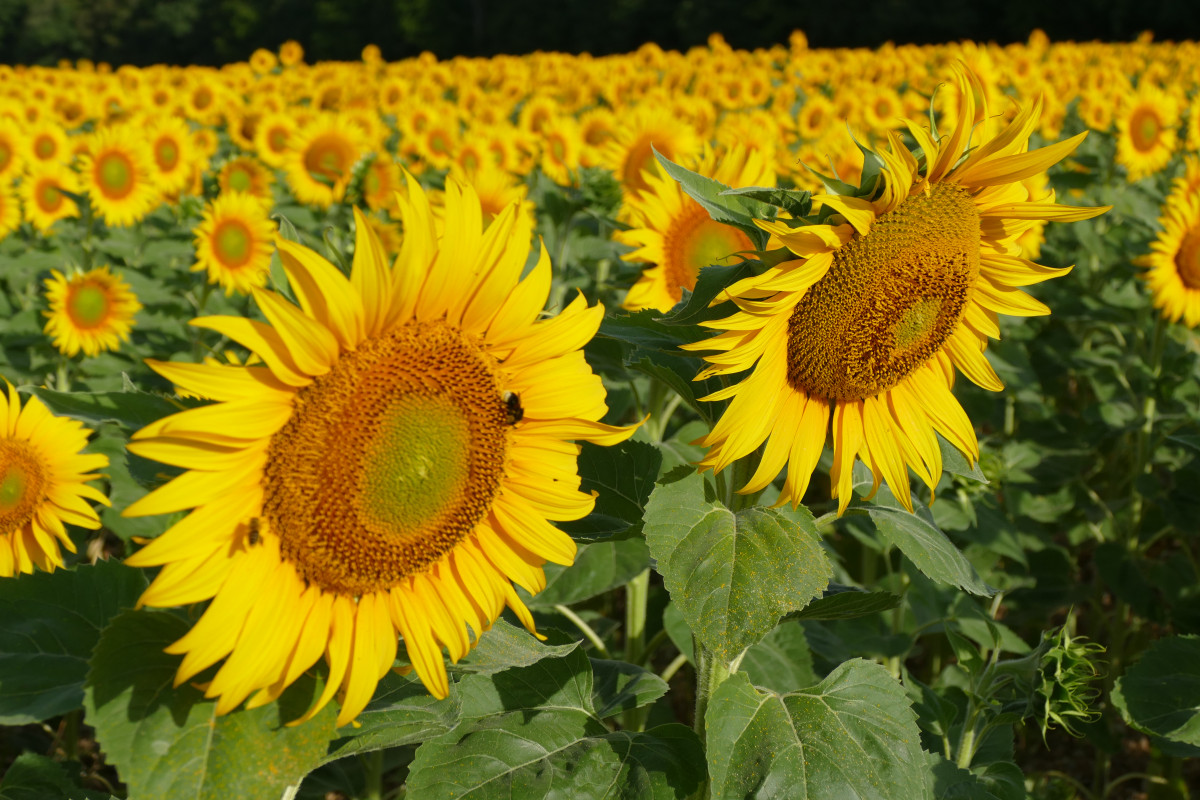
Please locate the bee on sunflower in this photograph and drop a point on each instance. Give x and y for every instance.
(377, 459)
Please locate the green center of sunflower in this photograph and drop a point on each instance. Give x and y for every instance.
(277, 138)
(45, 147)
(114, 175)
(88, 305)
(232, 242)
(695, 242)
(49, 197)
(1187, 259)
(328, 157)
(22, 484)
(389, 461)
(240, 180)
(1144, 129)
(890, 299)
(167, 154)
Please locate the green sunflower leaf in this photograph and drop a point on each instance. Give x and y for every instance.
(796, 202)
(623, 476)
(533, 732)
(651, 347)
(732, 576)
(598, 567)
(401, 712)
(1160, 694)
(740, 212)
(505, 646)
(170, 743)
(49, 624)
(35, 777)
(956, 463)
(919, 538)
(711, 281)
(131, 410)
(620, 686)
(781, 662)
(852, 734)
(846, 602)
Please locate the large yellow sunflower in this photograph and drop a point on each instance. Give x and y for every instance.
(320, 158)
(44, 476)
(118, 175)
(1147, 130)
(234, 242)
(1173, 264)
(886, 299)
(90, 311)
(398, 459)
(676, 236)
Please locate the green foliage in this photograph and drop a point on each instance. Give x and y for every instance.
(49, 626)
(731, 576)
(1160, 694)
(130, 701)
(853, 731)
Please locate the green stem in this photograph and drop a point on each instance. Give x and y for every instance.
(584, 628)
(637, 594)
(373, 767)
(673, 667)
(711, 672)
(70, 735)
(62, 378)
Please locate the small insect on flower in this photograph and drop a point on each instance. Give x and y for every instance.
(255, 534)
(513, 410)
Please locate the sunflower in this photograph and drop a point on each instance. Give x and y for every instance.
(45, 142)
(10, 211)
(320, 158)
(675, 235)
(118, 175)
(12, 144)
(272, 136)
(380, 183)
(630, 152)
(291, 53)
(244, 174)
(262, 61)
(44, 476)
(560, 140)
(1173, 264)
(234, 242)
(1146, 130)
(398, 457)
(44, 203)
(171, 149)
(90, 311)
(886, 298)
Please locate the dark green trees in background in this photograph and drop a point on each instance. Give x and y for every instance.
(215, 32)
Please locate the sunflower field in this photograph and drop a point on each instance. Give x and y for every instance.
(787, 423)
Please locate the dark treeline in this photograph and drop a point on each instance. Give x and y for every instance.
(219, 31)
